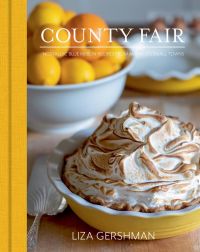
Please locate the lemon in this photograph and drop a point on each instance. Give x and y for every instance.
(45, 13)
(29, 32)
(116, 67)
(102, 68)
(43, 70)
(49, 4)
(116, 53)
(30, 47)
(55, 47)
(76, 71)
(68, 14)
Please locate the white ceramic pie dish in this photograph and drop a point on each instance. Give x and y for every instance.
(164, 61)
(163, 224)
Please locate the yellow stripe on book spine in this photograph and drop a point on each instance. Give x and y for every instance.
(13, 126)
(4, 134)
(18, 125)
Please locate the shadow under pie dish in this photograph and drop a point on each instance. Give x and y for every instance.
(135, 167)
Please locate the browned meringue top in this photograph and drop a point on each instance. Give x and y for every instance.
(141, 160)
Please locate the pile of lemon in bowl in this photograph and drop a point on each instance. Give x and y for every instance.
(51, 62)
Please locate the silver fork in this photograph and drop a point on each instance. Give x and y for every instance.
(43, 198)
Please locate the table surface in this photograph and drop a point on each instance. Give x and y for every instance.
(55, 233)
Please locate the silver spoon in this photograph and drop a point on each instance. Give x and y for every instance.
(43, 198)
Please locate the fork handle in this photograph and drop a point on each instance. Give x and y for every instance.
(32, 236)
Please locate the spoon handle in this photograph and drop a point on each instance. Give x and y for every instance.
(32, 236)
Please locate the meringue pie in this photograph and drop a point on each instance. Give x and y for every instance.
(140, 160)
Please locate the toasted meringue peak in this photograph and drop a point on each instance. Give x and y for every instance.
(140, 161)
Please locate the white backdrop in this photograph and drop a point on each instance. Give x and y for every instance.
(125, 11)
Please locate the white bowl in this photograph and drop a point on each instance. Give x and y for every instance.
(68, 108)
